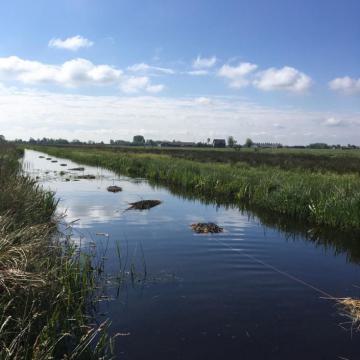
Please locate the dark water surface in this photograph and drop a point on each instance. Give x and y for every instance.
(205, 296)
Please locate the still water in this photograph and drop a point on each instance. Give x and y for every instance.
(219, 296)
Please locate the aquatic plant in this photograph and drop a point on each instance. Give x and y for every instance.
(318, 198)
(350, 308)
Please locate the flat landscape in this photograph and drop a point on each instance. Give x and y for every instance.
(179, 180)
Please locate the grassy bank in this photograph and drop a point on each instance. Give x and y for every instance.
(319, 198)
(46, 284)
(324, 160)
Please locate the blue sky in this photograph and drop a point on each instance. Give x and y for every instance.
(285, 71)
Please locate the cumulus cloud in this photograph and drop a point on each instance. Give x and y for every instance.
(198, 72)
(333, 122)
(203, 100)
(71, 73)
(120, 117)
(135, 84)
(73, 43)
(286, 78)
(145, 68)
(237, 74)
(345, 84)
(204, 63)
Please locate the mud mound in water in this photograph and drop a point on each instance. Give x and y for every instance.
(77, 169)
(54, 161)
(205, 228)
(86, 177)
(143, 204)
(114, 188)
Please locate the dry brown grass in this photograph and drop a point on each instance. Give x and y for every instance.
(350, 308)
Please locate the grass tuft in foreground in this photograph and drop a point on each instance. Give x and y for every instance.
(46, 283)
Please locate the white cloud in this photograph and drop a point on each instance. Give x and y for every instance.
(203, 100)
(71, 73)
(286, 78)
(135, 84)
(237, 74)
(120, 117)
(154, 89)
(333, 122)
(73, 43)
(346, 85)
(145, 68)
(204, 63)
(198, 72)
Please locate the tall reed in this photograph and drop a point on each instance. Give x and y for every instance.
(46, 283)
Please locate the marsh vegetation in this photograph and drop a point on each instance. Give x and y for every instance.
(47, 284)
(315, 196)
(250, 259)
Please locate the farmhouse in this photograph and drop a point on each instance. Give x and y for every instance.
(219, 143)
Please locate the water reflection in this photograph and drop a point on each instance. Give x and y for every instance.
(201, 299)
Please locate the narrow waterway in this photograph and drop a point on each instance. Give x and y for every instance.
(218, 296)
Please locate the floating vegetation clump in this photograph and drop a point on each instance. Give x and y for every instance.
(86, 177)
(350, 308)
(77, 169)
(114, 188)
(318, 198)
(143, 204)
(205, 228)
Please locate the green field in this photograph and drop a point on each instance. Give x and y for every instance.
(321, 189)
(334, 160)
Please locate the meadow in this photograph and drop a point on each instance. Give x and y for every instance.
(46, 282)
(324, 192)
(320, 160)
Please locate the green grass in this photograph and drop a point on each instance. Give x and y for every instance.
(323, 198)
(334, 160)
(46, 283)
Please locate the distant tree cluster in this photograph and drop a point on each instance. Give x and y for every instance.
(139, 140)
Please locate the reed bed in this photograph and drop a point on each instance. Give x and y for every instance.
(46, 283)
(318, 198)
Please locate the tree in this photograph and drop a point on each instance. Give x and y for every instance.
(2, 139)
(208, 141)
(231, 141)
(138, 140)
(150, 142)
(248, 142)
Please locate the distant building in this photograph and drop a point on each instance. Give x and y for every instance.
(219, 143)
